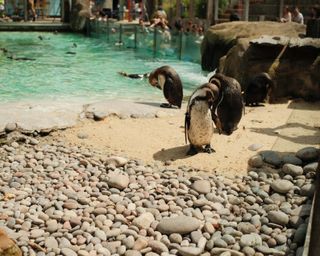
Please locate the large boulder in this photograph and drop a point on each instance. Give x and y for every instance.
(295, 74)
(219, 39)
(80, 12)
(244, 49)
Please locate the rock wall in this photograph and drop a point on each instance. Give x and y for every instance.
(295, 74)
(239, 50)
(219, 39)
(80, 11)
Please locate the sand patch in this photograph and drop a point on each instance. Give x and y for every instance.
(282, 127)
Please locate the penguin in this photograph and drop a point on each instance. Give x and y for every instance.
(258, 88)
(13, 57)
(230, 108)
(134, 76)
(167, 79)
(199, 118)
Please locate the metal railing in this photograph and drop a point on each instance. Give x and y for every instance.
(148, 42)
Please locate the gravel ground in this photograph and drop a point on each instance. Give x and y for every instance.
(61, 200)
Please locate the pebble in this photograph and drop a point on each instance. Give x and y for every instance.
(281, 186)
(256, 161)
(72, 201)
(68, 252)
(312, 167)
(250, 240)
(10, 127)
(190, 251)
(246, 227)
(292, 170)
(117, 161)
(144, 220)
(271, 157)
(308, 190)
(300, 234)
(82, 135)
(133, 253)
(308, 154)
(51, 242)
(291, 159)
(202, 186)
(255, 147)
(278, 217)
(180, 224)
(118, 181)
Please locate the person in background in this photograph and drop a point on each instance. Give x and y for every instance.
(143, 27)
(315, 12)
(161, 13)
(287, 17)
(32, 10)
(297, 15)
(1, 8)
(178, 24)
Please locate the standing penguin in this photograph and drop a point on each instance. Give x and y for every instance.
(258, 88)
(230, 107)
(199, 116)
(167, 79)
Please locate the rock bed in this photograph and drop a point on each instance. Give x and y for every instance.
(63, 200)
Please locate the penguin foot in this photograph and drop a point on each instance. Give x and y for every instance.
(192, 151)
(165, 105)
(208, 149)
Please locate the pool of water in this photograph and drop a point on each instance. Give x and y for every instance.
(90, 74)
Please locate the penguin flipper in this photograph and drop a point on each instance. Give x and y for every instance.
(216, 121)
(186, 126)
(172, 91)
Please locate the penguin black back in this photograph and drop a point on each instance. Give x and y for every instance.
(230, 107)
(258, 88)
(167, 79)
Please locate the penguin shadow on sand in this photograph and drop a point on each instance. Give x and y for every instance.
(172, 154)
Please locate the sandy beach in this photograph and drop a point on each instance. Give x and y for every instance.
(284, 127)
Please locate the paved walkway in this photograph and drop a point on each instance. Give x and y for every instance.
(301, 128)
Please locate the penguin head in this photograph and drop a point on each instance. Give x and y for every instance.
(153, 80)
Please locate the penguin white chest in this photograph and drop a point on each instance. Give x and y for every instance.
(201, 125)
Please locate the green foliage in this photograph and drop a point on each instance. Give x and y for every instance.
(200, 7)
(223, 4)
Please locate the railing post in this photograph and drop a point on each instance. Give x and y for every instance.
(209, 15)
(88, 27)
(180, 45)
(216, 11)
(246, 10)
(155, 42)
(108, 31)
(120, 34)
(135, 36)
(25, 10)
(281, 6)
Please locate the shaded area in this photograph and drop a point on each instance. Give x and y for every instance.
(302, 105)
(152, 104)
(172, 154)
(314, 246)
(279, 131)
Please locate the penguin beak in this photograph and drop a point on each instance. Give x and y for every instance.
(156, 84)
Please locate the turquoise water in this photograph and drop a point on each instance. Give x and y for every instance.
(90, 74)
